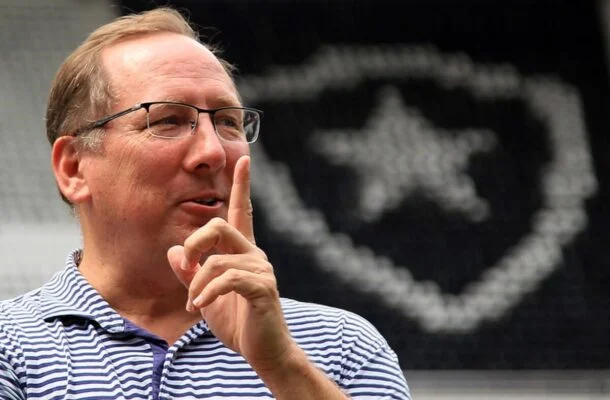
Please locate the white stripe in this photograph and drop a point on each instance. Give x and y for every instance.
(75, 357)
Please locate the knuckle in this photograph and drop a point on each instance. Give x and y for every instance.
(220, 226)
(224, 229)
(217, 223)
(190, 241)
(260, 269)
(215, 262)
(266, 267)
(259, 253)
(234, 275)
(270, 286)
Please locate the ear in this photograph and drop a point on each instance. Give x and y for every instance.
(67, 168)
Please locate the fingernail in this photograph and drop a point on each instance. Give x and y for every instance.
(185, 264)
(198, 300)
(189, 306)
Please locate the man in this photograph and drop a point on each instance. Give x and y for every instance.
(170, 297)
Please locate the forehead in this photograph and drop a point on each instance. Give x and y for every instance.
(166, 66)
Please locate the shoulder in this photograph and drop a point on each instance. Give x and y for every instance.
(20, 309)
(20, 318)
(294, 309)
(315, 319)
(348, 348)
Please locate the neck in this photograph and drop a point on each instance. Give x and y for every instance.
(140, 286)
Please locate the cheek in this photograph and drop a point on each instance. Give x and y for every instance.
(130, 163)
(234, 152)
(133, 167)
(144, 158)
(149, 176)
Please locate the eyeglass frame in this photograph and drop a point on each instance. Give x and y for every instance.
(146, 106)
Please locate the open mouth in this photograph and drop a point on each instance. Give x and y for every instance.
(207, 202)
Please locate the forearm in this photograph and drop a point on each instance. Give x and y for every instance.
(299, 378)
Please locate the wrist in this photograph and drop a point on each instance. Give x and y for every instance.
(297, 377)
(293, 362)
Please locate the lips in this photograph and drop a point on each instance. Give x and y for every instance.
(206, 197)
(205, 204)
(207, 201)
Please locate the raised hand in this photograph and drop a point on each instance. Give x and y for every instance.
(235, 289)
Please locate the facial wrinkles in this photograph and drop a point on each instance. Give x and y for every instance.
(205, 91)
(128, 160)
(185, 74)
(139, 197)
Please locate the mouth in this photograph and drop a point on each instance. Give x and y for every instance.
(205, 203)
(208, 201)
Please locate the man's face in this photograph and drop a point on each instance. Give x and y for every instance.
(153, 191)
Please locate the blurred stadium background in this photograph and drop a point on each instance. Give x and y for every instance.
(438, 166)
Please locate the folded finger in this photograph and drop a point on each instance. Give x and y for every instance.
(247, 284)
(217, 265)
(216, 236)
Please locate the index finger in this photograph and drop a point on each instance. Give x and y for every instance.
(240, 206)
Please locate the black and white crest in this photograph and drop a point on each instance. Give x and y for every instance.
(410, 179)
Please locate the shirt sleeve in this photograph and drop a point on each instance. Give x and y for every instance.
(370, 368)
(10, 388)
(379, 377)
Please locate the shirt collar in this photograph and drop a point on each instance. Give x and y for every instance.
(69, 294)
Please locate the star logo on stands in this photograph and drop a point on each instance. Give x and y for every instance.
(399, 153)
(413, 155)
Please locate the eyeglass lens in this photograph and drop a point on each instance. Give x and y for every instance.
(175, 120)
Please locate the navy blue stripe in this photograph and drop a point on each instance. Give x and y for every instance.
(82, 350)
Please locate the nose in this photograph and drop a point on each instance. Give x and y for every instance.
(206, 151)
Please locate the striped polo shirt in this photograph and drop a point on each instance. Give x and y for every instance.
(64, 341)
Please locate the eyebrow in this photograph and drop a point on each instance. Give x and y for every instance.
(227, 100)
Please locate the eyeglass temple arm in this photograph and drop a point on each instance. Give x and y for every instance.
(101, 122)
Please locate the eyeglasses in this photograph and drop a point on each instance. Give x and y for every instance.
(172, 120)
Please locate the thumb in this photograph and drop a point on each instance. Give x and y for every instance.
(175, 255)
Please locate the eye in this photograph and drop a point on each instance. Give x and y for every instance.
(171, 119)
(229, 123)
(171, 114)
(166, 120)
(229, 118)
